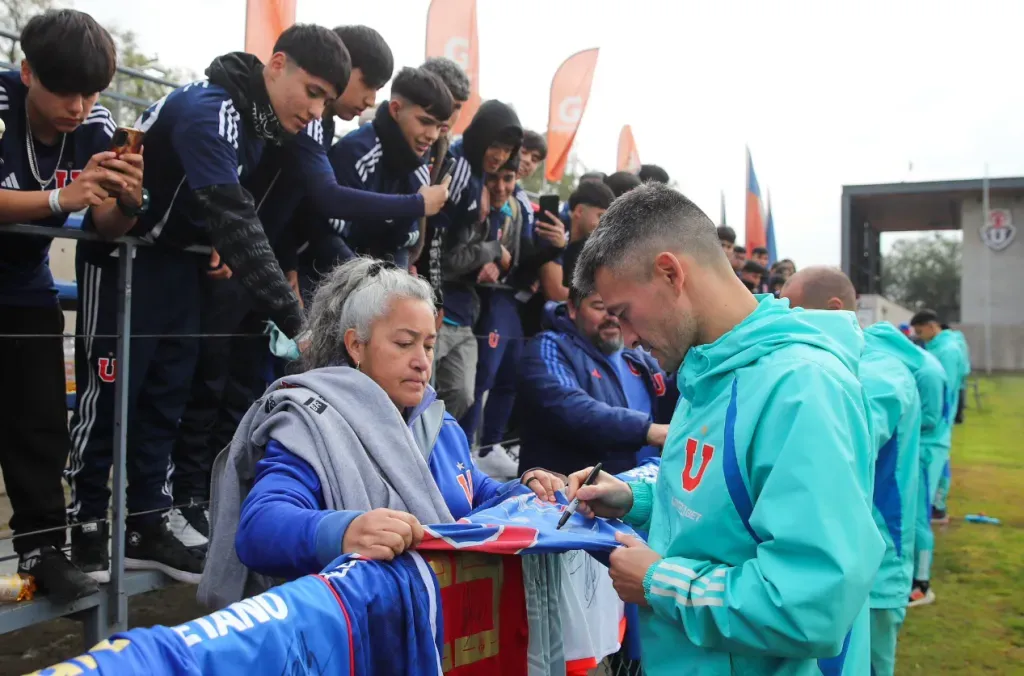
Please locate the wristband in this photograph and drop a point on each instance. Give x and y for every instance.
(54, 201)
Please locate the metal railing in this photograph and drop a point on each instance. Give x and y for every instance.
(106, 612)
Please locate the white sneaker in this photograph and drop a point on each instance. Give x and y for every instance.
(183, 530)
(498, 464)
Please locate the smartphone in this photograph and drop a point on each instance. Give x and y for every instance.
(446, 170)
(126, 140)
(547, 203)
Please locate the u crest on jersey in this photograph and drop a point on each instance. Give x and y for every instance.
(107, 368)
(63, 176)
(465, 480)
(690, 480)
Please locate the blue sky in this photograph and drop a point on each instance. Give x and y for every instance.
(824, 93)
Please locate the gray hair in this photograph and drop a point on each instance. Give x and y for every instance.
(353, 296)
(451, 74)
(641, 223)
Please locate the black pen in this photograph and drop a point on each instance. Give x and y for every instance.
(571, 509)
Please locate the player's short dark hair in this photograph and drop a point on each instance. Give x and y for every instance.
(69, 52)
(452, 75)
(318, 51)
(726, 234)
(925, 316)
(622, 182)
(739, 249)
(423, 88)
(760, 251)
(369, 53)
(652, 172)
(592, 194)
(535, 143)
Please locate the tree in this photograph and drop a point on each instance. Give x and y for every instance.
(573, 170)
(130, 56)
(14, 14)
(925, 273)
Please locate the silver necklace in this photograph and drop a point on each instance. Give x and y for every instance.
(30, 148)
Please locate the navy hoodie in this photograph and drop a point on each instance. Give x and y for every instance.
(576, 411)
(466, 246)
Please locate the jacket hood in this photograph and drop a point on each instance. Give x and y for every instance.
(492, 121)
(556, 318)
(241, 75)
(773, 325)
(885, 336)
(234, 73)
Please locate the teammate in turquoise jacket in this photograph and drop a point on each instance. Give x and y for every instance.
(762, 544)
(945, 347)
(886, 373)
(939, 504)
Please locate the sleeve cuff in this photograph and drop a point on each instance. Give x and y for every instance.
(647, 582)
(330, 533)
(643, 500)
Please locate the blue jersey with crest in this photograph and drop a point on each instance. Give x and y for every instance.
(356, 618)
(25, 277)
(195, 138)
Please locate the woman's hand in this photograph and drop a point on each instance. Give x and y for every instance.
(382, 534)
(544, 483)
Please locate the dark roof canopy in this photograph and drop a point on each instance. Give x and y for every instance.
(935, 205)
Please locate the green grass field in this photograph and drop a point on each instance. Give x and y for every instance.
(976, 624)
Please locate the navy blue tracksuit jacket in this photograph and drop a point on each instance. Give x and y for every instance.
(575, 407)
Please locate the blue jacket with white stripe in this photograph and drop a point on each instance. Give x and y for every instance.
(577, 413)
(377, 159)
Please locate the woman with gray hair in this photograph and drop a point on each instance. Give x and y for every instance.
(352, 455)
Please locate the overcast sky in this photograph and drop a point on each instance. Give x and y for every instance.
(824, 93)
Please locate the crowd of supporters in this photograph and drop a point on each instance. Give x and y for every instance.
(319, 239)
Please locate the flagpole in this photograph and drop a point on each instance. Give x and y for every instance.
(985, 208)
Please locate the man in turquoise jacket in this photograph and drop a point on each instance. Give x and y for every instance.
(886, 373)
(762, 546)
(945, 347)
(939, 508)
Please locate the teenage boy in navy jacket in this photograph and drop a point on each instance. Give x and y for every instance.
(585, 398)
(387, 156)
(54, 160)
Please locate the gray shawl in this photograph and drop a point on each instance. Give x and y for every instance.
(345, 427)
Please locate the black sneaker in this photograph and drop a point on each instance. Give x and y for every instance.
(197, 518)
(55, 576)
(154, 547)
(90, 551)
(939, 516)
(182, 528)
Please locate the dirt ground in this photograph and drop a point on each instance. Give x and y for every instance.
(45, 644)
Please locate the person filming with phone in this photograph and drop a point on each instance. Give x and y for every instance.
(56, 159)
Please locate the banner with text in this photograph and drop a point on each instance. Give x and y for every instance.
(570, 89)
(451, 33)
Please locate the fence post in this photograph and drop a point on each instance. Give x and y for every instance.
(117, 603)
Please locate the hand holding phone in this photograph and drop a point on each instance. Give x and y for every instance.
(547, 203)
